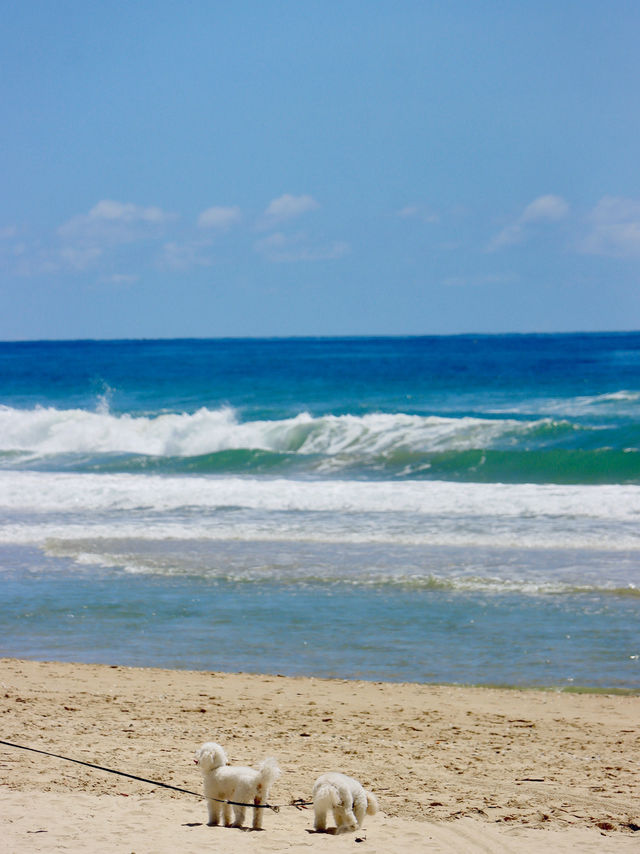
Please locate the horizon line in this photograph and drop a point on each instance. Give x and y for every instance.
(318, 337)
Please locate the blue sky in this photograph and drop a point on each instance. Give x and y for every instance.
(266, 168)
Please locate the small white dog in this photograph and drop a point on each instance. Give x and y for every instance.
(345, 797)
(224, 782)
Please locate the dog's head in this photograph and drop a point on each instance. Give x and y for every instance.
(210, 756)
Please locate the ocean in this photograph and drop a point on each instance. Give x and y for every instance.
(455, 509)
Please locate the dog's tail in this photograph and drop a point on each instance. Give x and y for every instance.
(372, 803)
(268, 773)
(326, 798)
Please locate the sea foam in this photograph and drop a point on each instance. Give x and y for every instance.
(49, 431)
(35, 506)
(62, 492)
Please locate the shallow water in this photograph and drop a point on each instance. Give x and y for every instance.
(249, 617)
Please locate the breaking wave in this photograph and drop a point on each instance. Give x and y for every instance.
(374, 445)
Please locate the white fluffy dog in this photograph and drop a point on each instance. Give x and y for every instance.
(224, 782)
(345, 797)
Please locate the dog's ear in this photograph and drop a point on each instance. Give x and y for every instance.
(218, 757)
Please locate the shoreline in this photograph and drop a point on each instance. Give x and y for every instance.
(489, 686)
(505, 762)
(566, 688)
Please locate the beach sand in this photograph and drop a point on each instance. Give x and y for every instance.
(455, 769)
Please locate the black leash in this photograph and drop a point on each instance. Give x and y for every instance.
(298, 803)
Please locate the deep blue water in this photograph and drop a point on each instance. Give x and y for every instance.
(276, 378)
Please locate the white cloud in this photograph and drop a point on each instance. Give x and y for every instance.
(614, 228)
(417, 212)
(280, 247)
(219, 217)
(547, 208)
(509, 236)
(288, 207)
(114, 222)
(120, 279)
(35, 260)
(408, 212)
(185, 256)
(85, 239)
(79, 259)
(37, 265)
(126, 212)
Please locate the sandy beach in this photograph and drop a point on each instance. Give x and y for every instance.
(454, 768)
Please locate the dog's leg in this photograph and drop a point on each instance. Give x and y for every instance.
(320, 817)
(257, 814)
(227, 811)
(338, 817)
(345, 819)
(360, 809)
(214, 813)
(239, 816)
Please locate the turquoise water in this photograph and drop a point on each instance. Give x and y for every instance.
(453, 509)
